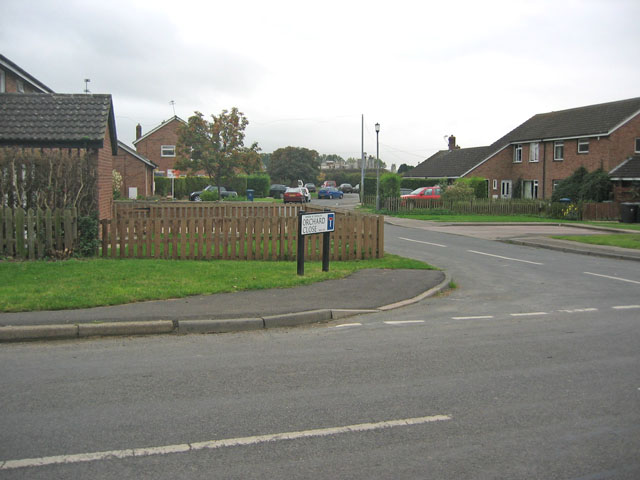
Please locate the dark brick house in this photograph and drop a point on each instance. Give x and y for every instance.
(136, 172)
(548, 148)
(65, 121)
(159, 144)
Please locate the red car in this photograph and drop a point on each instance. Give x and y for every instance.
(296, 195)
(423, 193)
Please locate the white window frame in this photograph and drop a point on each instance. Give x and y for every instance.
(559, 145)
(3, 87)
(495, 183)
(19, 86)
(170, 148)
(581, 144)
(637, 149)
(517, 153)
(534, 152)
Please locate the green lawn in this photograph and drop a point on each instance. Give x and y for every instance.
(624, 240)
(44, 285)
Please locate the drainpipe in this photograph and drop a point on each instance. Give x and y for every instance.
(544, 168)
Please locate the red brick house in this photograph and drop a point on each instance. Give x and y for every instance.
(547, 148)
(69, 122)
(14, 79)
(136, 172)
(159, 145)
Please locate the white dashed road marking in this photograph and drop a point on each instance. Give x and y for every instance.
(426, 243)
(357, 324)
(626, 307)
(403, 322)
(528, 314)
(579, 310)
(612, 278)
(215, 444)
(505, 258)
(475, 317)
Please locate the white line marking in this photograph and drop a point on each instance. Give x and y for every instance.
(356, 324)
(402, 322)
(505, 258)
(579, 310)
(426, 243)
(215, 444)
(626, 307)
(476, 317)
(528, 314)
(612, 278)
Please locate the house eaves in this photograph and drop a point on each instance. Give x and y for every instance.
(7, 64)
(131, 151)
(163, 124)
(629, 170)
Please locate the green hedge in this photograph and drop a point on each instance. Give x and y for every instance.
(414, 183)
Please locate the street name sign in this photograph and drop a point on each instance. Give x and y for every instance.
(317, 223)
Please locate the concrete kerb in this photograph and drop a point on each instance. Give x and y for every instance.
(84, 330)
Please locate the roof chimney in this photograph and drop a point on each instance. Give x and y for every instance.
(138, 131)
(452, 143)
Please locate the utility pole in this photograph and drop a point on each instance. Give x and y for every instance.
(362, 160)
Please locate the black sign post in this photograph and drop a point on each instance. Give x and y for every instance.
(310, 223)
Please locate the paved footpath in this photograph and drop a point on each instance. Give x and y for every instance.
(364, 291)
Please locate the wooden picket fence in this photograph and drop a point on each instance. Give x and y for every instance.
(233, 231)
(34, 234)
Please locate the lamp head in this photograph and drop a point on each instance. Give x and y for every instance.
(377, 127)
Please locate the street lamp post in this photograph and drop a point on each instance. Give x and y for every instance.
(377, 168)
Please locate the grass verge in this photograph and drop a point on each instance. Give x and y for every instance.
(43, 285)
(623, 240)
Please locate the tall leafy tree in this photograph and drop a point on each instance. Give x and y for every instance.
(294, 163)
(216, 146)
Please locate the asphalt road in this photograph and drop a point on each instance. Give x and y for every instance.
(529, 369)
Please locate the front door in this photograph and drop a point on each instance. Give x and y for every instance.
(505, 190)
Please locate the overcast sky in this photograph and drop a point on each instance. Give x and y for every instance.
(303, 72)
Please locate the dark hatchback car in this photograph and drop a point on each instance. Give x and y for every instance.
(346, 188)
(224, 193)
(277, 190)
(310, 186)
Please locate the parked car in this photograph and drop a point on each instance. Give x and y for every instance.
(224, 193)
(329, 183)
(310, 186)
(345, 188)
(296, 195)
(422, 193)
(405, 191)
(277, 190)
(330, 192)
(356, 189)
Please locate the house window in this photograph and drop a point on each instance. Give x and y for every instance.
(558, 151)
(517, 153)
(534, 152)
(583, 146)
(637, 145)
(168, 151)
(554, 184)
(20, 86)
(2, 86)
(495, 184)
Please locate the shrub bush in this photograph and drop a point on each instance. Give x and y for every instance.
(88, 241)
(390, 185)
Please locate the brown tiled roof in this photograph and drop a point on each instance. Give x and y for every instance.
(449, 163)
(56, 120)
(627, 170)
(589, 121)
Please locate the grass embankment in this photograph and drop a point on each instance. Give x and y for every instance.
(42, 285)
(623, 240)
